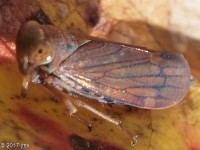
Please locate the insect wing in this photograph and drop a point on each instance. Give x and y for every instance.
(117, 73)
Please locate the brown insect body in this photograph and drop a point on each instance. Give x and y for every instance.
(105, 71)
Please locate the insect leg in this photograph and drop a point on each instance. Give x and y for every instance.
(25, 84)
(72, 109)
(111, 120)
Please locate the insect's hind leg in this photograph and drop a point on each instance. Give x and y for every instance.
(72, 111)
(108, 118)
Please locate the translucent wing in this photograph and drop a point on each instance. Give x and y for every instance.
(115, 73)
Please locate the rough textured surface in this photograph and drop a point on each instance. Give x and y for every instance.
(43, 123)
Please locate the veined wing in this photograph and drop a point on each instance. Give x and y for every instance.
(118, 73)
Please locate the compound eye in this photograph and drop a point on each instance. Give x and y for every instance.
(41, 53)
(32, 47)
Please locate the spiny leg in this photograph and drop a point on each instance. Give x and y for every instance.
(109, 119)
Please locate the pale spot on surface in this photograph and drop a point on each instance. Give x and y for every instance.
(149, 102)
(142, 91)
(172, 94)
(49, 58)
(135, 70)
(173, 71)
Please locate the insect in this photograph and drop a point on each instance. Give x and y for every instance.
(99, 70)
